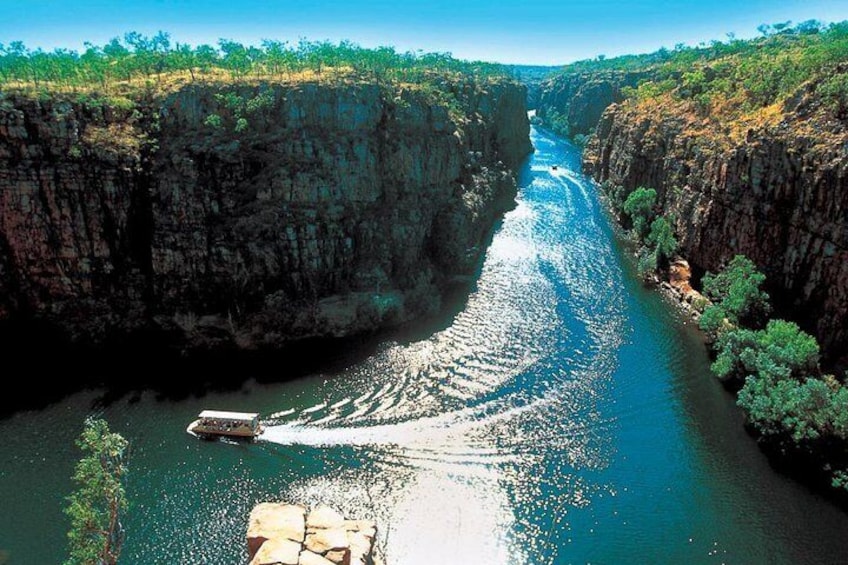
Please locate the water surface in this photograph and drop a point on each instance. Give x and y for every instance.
(563, 415)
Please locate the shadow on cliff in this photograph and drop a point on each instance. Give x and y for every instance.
(46, 367)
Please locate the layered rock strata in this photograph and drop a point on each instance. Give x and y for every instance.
(778, 195)
(338, 209)
(579, 99)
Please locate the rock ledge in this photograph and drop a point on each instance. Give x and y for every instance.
(290, 534)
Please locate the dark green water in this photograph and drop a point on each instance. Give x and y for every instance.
(564, 415)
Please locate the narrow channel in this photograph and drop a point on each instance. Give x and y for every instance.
(562, 414)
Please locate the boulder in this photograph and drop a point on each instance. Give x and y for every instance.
(309, 558)
(277, 552)
(339, 556)
(283, 534)
(322, 541)
(277, 521)
(366, 527)
(324, 517)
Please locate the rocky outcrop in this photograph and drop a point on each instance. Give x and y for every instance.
(574, 102)
(287, 534)
(779, 195)
(338, 209)
(679, 287)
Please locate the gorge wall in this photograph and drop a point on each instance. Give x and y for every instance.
(572, 104)
(776, 192)
(339, 209)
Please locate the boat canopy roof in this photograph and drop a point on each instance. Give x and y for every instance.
(233, 416)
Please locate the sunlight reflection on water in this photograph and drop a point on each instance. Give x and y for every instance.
(459, 429)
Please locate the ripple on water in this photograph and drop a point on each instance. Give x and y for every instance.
(473, 421)
(557, 418)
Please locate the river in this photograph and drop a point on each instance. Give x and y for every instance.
(560, 414)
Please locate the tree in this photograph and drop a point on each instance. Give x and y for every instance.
(734, 347)
(662, 239)
(780, 351)
(184, 58)
(236, 57)
(783, 344)
(639, 206)
(96, 506)
(713, 319)
(737, 290)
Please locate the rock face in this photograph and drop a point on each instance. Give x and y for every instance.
(340, 209)
(779, 195)
(581, 98)
(284, 534)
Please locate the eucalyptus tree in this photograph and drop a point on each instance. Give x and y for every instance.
(97, 505)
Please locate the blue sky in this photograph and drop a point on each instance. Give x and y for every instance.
(540, 31)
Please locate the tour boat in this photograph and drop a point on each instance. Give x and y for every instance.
(216, 423)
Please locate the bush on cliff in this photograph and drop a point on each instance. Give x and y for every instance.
(804, 409)
(780, 350)
(656, 234)
(137, 62)
(639, 207)
(737, 292)
(735, 82)
(661, 240)
(786, 400)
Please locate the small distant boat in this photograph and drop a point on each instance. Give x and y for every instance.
(216, 423)
(554, 167)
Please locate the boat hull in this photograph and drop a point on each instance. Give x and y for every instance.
(197, 428)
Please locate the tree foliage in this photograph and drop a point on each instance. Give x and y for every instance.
(656, 234)
(714, 320)
(805, 409)
(784, 395)
(780, 350)
(96, 506)
(639, 207)
(737, 291)
(737, 77)
(661, 239)
(151, 58)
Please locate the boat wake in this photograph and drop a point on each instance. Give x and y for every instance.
(505, 400)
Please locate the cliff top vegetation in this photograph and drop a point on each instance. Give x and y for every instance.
(734, 85)
(137, 66)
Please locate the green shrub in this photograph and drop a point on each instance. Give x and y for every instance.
(834, 92)
(734, 359)
(661, 239)
(700, 304)
(639, 206)
(804, 409)
(647, 263)
(214, 121)
(737, 288)
(780, 350)
(713, 319)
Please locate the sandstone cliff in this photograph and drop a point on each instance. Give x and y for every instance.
(340, 209)
(572, 103)
(776, 191)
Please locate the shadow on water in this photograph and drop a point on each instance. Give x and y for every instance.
(126, 366)
(149, 362)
